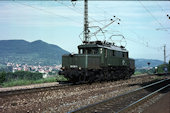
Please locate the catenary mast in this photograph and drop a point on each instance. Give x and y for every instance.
(86, 24)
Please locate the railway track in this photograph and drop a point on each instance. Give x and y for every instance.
(125, 102)
(45, 88)
(33, 90)
(63, 99)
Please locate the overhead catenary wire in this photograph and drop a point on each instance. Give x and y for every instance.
(47, 12)
(162, 9)
(73, 9)
(144, 43)
(164, 15)
(79, 12)
(151, 14)
(52, 13)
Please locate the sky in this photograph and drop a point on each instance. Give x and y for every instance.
(144, 24)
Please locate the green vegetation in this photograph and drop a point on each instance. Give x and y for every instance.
(137, 73)
(61, 78)
(2, 77)
(22, 75)
(18, 78)
(8, 79)
(5, 68)
(161, 68)
(28, 82)
(143, 71)
(16, 83)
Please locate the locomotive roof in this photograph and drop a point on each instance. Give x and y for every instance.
(103, 45)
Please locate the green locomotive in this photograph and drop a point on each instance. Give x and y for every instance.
(97, 61)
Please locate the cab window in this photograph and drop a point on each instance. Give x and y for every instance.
(101, 50)
(125, 54)
(80, 51)
(89, 51)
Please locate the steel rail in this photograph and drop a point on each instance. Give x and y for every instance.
(32, 90)
(142, 100)
(88, 107)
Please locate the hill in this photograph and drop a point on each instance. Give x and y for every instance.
(32, 53)
(39, 52)
(142, 63)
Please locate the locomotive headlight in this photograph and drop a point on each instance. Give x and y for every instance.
(79, 68)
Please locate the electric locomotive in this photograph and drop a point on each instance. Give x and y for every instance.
(97, 61)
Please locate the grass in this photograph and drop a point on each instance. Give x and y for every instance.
(137, 73)
(159, 77)
(28, 82)
(60, 78)
(16, 83)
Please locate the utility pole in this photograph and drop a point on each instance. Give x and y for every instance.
(86, 23)
(165, 54)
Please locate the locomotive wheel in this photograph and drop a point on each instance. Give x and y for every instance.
(97, 77)
(90, 77)
(101, 77)
(82, 78)
(109, 77)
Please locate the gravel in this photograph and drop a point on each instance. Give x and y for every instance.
(146, 104)
(29, 86)
(73, 97)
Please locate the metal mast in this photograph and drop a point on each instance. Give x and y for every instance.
(86, 24)
(164, 54)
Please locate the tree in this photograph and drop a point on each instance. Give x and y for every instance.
(2, 77)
